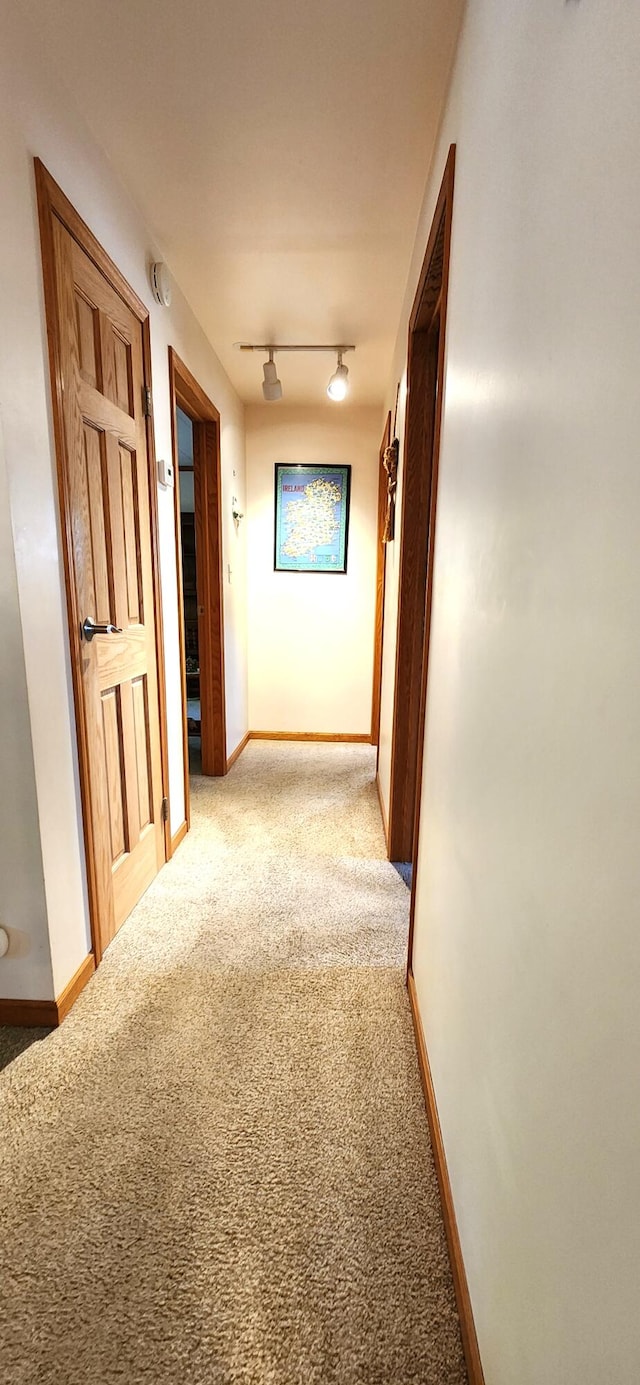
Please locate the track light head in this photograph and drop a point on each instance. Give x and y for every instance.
(271, 385)
(338, 386)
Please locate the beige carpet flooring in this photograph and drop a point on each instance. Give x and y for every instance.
(218, 1169)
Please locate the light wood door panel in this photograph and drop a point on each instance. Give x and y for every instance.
(106, 485)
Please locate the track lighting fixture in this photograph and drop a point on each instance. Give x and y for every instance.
(338, 386)
(272, 387)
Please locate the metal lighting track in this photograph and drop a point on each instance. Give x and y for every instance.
(273, 346)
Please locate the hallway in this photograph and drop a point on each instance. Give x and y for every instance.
(218, 1168)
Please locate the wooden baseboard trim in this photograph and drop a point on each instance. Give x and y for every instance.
(357, 739)
(29, 1014)
(463, 1300)
(235, 754)
(48, 1013)
(73, 988)
(383, 813)
(179, 836)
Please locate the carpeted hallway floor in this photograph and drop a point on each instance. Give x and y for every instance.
(218, 1170)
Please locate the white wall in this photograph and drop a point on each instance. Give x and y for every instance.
(527, 951)
(21, 876)
(310, 634)
(37, 118)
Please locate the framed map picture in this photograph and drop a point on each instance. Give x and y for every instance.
(312, 518)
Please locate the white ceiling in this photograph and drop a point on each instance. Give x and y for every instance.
(278, 149)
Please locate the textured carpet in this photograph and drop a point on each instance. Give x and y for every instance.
(218, 1170)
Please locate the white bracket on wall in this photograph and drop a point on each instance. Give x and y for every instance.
(165, 473)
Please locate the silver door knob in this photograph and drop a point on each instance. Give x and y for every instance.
(89, 628)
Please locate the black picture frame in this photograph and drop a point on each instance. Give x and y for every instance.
(328, 516)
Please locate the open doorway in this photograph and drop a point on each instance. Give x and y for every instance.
(190, 603)
(425, 378)
(198, 534)
(380, 587)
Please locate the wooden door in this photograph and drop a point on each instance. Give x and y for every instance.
(105, 490)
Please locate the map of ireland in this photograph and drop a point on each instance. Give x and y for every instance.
(312, 505)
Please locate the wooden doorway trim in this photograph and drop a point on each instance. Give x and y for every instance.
(425, 394)
(187, 394)
(380, 586)
(55, 208)
(425, 387)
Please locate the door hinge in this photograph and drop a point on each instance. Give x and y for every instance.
(147, 401)
(164, 811)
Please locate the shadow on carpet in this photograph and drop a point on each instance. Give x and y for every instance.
(405, 871)
(14, 1039)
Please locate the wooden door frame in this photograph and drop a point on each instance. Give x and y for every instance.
(52, 203)
(186, 393)
(422, 444)
(383, 490)
(425, 389)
